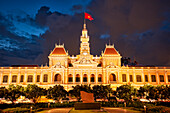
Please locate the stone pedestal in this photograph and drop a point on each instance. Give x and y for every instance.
(87, 106)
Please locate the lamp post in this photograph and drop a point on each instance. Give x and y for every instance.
(48, 105)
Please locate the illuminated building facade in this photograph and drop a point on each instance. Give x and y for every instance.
(84, 68)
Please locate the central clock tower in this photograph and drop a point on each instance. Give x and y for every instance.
(84, 46)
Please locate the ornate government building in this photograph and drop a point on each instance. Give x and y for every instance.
(84, 68)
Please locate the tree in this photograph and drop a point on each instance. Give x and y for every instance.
(125, 92)
(101, 91)
(33, 91)
(76, 90)
(13, 92)
(57, 92)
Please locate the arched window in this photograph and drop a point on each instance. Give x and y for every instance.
(92, 78)
(38, 78)
(57, 77)
(22, 78)
(161, 77)
(30, 78)
(45, 78)
(123, 77)
(138, 78)
(153, 77)
(77, 78)
(100, 78)
(5, 78)
(14, 78)
(85, 78)
(112, 77)
(70, 78)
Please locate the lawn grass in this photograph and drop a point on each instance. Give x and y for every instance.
(86, 111)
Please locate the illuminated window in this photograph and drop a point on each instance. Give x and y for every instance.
(131, 78)
(146, 78)
(168, 78)
(92, 78)
(38, 78)
(85, 78)
(14, 78)
(112, 77)
(99, 78)
(123, 77)
(45, 78)
(70, 78)
(138, 78)
(22, 78)
(5, 78)
(77, 78)
(30, 78)
(161, 77)
(153, 77)
(57, 77)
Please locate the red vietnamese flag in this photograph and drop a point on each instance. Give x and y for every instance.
(88, 16)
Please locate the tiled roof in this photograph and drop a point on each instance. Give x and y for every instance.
(58, 51)
(110, 51)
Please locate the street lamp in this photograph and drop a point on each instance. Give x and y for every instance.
(144, 108)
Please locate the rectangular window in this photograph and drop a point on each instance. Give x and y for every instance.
(84, 79)
(45, 78)
(22, 78)
(14, 78)
(30, 78)
(138, 78)
(131, 78)
(123, 77)
(77, 79)
(153, 77)
(161, 77)
(92, 79)
(146, 78)
(5, 78)
(70, 79)
(38, 78)
(99, 79)
(168, 78)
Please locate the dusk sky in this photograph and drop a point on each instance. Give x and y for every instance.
(138, 29)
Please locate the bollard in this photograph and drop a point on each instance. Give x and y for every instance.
(144, 108)
(48, 105)
(31, 109)
(125, 104)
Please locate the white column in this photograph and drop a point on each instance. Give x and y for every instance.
(81, 77)
(166, 77)
(34, 78)
(107, 78)
(96, 80)
(143, 80)
(19, 77)
(63, 77)
(51, 77)
(118, 77)
(25, 77)
(157, 77)
(149, 77)
(88, 77)
(10, 77)
(74, 76)
(127, 76)
(41, 77)
(134, 76)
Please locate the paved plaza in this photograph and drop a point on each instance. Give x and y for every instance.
(108, 109)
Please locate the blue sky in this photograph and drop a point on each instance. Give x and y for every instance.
(29, 29)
